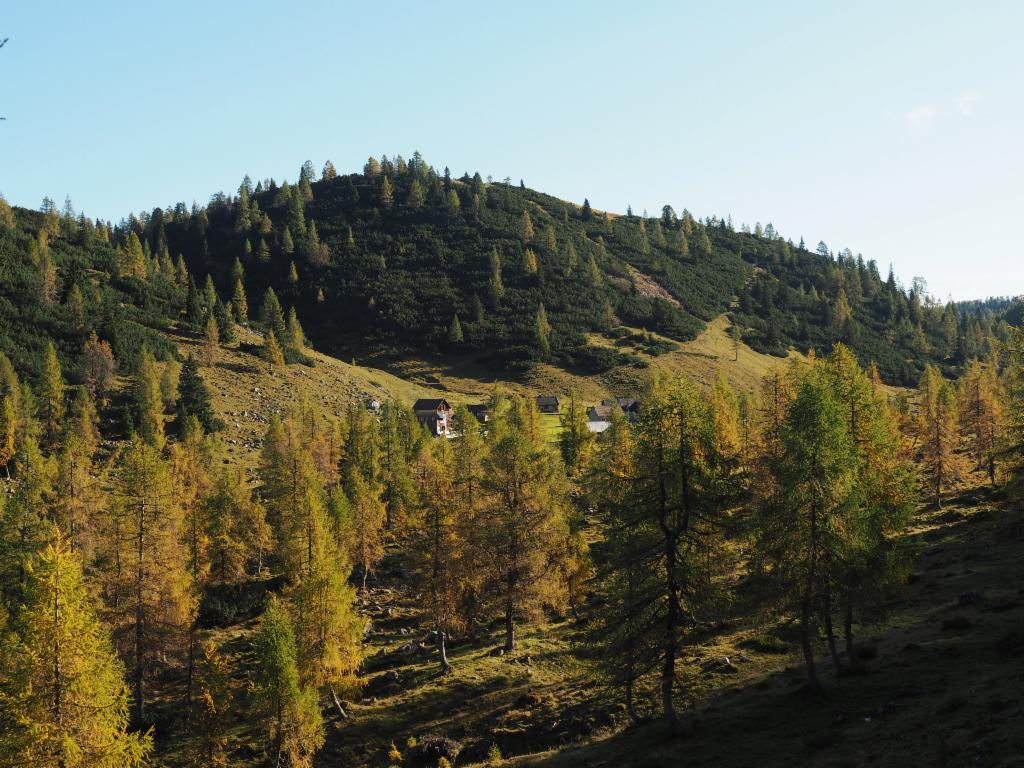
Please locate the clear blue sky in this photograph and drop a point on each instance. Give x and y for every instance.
(892, 128)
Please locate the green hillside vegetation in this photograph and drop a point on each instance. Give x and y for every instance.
(393, 261)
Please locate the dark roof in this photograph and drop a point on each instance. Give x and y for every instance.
(625, 403)
(601, 412)
(547, 400)
(479, 408)
(430, 404)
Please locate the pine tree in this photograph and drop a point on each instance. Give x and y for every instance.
(63, 700)
(10, 402)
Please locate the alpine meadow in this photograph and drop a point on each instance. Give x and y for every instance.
(398, 466)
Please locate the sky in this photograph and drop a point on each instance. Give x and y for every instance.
(892, 128)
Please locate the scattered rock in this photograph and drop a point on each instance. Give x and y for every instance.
(430, 749)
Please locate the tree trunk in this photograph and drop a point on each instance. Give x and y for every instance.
(830, 634)
(139, 628)
(807, 609)
(337, 704)
(510, 629)
(851, 654)
(443, 651)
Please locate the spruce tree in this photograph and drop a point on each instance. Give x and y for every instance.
(455, 331)
(194, 400)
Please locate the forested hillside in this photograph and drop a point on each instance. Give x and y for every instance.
(401, 260)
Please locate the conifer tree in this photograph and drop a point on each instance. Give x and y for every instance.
(24, 524)
(526, 228)
(290, 708)
(194, 400)
(524, 515)
(272, 351)
(496, 284)
(211, 340)
(63, 699)
(271, 316)
(78, 497)
(52, 407)
(576, 441)
(236, 528)
(239, 303)
(387, 194)
(529, 262)
(436, 543)
(937, 430)
(10, 411)
(455, 331)
(149, 411)
(981, 407)
(296, 337)
(813, 474)
(212, 708)
(158, 597)
(542, 333)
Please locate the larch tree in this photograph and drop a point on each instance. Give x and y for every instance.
(63, 698)
(239, 302)
(436, 542)
(211, 340)
(938, 431)
(576, 441)
(289, 707)
(681, 492)
(78, 495)
(524, 515)
(97, 366)
(981, 408)
(813, 470)
(272, 352)
(626, 583)
(149, 409)
(212, 709)
(542, 332)
(51, 397)
(469, 454)
(236, 528)
(158, 596)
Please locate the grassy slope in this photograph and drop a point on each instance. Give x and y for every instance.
(937, 693)
(944, 682)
